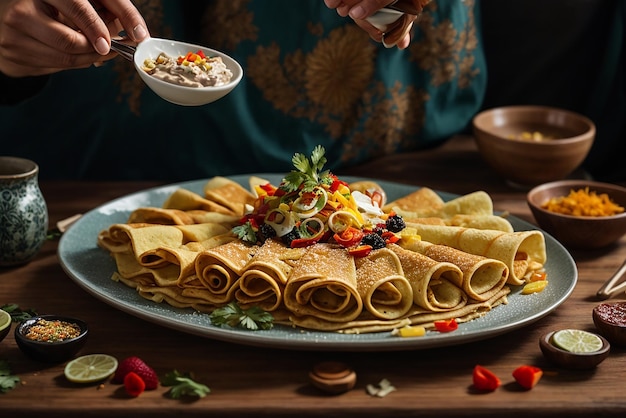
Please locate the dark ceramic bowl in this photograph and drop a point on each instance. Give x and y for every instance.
(579, 232)
(569, 360)
(5, 324)
(51, 352)
(498, 133)
(610, 321)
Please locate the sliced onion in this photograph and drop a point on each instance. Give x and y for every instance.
(308, 210)
(340, 220)
(282, 221)
(365, 204)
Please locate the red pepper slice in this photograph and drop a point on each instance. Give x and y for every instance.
(134, 384)
(446, 325)
(484, 379)
(201, 54)
(390, 237)
(349, 237)
(527, 376)
(335, 184)
(268, 188)
(360, 250)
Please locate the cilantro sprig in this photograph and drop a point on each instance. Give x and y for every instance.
(183, 384)
(308, 173)
(233, 315)
(7, 380)
(245, 232)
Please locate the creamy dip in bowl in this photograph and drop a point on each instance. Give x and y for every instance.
(193, 85)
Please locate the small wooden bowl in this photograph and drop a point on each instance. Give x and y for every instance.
(569, 360)
(332, 377)
(528, 162)
(578, 232)
(610, 320)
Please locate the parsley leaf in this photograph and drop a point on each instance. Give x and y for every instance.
(308, 173)
(18, 314)
(233, 315)
(7, 380)
(245, 232)
(182, 384)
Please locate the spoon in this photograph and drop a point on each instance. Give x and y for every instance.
(174, 93)
(384, 18)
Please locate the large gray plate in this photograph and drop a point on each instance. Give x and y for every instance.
(91, 268)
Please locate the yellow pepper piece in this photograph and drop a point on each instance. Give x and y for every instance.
(412, 331)
(534, 287)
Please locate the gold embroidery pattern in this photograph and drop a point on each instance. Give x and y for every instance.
(227, 23)
(445, 52)
(333, 84)
(130, 84)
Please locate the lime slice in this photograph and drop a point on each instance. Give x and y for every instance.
(5, 319)
(90, 368)
(577, 341)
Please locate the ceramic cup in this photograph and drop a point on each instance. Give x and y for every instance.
(23, 211)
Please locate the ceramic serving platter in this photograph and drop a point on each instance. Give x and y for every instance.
(91, 268)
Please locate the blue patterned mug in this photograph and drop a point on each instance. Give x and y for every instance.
(23, 211)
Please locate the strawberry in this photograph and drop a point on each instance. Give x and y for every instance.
(139, 367)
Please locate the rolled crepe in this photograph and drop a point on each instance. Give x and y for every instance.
(482, 277)
(521, 251)
(386, 293)
(264, 277)
(139, 238)
(160, 216)
(433, 282)
(220, 267)
(323, 285)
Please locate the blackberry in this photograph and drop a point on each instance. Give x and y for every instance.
(395, 223)
(376, 241)
(290, 236)
(266, 232)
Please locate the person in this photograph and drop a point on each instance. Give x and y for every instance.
(311, 77)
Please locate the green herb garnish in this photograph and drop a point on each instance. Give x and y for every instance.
(18, 314)
(309, 173)
(7, 380)
(245, 232)
(233, 315)
(182, 384)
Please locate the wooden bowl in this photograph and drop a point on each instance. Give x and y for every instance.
(531, 162)
(610, 321)
(570, 360)
(578, 232)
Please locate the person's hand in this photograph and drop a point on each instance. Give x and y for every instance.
(397, 34)
(39, 37)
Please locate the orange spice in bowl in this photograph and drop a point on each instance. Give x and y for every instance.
(580, 230)
(583, 202)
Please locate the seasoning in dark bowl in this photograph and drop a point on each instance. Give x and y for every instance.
(5, 324)
(51, 338)
(610, 320)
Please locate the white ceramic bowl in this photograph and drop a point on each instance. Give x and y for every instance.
(181, 95)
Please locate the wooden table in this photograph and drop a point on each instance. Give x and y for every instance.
(265, 382)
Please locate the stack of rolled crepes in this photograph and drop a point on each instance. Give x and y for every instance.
(185, 254)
